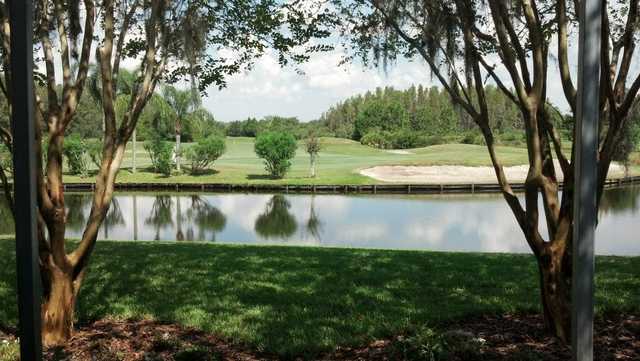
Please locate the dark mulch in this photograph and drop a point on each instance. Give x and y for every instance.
(505, 337)
(522, 337)
(108, 340)
(512, 337)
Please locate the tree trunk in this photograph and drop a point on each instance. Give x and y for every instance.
(555, 289)
(313, 166)
(178, 152)
(58, 307)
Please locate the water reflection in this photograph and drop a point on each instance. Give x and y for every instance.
(620, 200)
(314, 224)
(447, 223)
(205, 218)
(160, 216)
(77, 211)
(78, 208)
(276, 222)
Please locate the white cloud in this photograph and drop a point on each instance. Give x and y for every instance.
(270, 89)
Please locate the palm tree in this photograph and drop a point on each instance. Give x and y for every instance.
(182, 102)
(124, 90)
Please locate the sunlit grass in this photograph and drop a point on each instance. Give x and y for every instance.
(339, 163)
(301, 301)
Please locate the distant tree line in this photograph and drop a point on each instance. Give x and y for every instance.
(417, 116)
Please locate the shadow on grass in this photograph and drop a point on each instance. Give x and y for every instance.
(261, 177)
(302, 301)
(204, 172)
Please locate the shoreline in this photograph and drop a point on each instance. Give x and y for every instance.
(382, 188)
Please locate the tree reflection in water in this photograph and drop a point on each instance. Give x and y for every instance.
(77, 205)
(114, 217)
(314, 224)
(620, 200)
(179, 219)
(206, 218)
(276, 222)
(160, 216)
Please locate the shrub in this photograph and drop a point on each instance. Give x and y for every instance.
(94, 149)
(277, 149)
(429, 140)
(404, 139)
(160, 153)
(479, 140)
(468, 138)
(377, 139)
(74, 150)
(206, 151)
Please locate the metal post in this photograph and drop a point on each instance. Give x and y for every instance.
(24, 176)
(585, 203)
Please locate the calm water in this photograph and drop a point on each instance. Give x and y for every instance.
(444, 223)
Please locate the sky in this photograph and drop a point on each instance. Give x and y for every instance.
(269, 89)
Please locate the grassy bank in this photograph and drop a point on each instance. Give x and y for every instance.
(339, 163)
(297, 301)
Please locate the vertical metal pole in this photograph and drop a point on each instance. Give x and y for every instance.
(24, 178)
(585, 203)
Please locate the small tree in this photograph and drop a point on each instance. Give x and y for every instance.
(94, 149)
(182, 103)
(629, 139)
(313, 147)
(74, 150)
(160, 154)
(277, 149)
(205, 152)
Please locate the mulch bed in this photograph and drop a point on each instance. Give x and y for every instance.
(504, 337)
(518, 338)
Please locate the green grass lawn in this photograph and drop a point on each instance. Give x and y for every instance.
(339, 163)
(301, 301)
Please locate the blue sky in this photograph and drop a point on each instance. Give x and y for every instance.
(271, 90)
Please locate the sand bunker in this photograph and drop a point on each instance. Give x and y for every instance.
(452, 174)
(399, 151)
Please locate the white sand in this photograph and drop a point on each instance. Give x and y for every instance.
(451, 174)
(399, 151)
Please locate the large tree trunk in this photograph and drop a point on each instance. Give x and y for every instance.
(58, 306)
(555, 289)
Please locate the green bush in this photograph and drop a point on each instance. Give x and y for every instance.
(400, 139)
(74, 150)
(206, 151)
(512, 138)
(94, 149)
(468, 138)
(404, 139)
(479, 140)
(160, 153)
(377, 139)
(429, 140)
(277, 149)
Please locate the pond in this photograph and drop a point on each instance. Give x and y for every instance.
(476, 223)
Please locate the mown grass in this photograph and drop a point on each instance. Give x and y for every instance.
(300, 301)
(339, 163)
